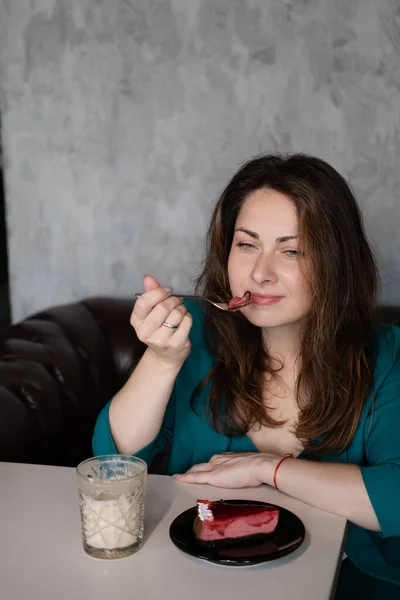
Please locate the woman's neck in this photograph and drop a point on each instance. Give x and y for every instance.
(283, 343)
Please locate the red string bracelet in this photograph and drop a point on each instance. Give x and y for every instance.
(277, 467)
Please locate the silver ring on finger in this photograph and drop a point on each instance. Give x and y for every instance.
(170, 325)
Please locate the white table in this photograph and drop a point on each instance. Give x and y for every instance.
(41, 554)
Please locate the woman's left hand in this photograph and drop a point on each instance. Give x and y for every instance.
(233, 470)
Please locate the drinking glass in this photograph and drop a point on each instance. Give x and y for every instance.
(111, 495)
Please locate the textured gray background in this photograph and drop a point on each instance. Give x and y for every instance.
(124, 119)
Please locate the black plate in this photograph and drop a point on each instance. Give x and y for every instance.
(287, 537)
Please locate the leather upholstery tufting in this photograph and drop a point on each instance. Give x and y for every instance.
(57, 370)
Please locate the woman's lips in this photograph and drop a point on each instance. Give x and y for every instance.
(265, 299)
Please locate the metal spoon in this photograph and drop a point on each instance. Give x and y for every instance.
(221, 305)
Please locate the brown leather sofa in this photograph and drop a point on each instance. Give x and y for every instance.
(58, 368)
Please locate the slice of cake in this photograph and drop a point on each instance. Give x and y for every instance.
(240, 301)
(220, 522)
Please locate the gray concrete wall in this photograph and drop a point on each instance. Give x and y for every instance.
(123, 120)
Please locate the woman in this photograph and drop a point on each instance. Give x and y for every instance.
(301, 373)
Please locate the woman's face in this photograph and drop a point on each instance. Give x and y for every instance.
(265, 259)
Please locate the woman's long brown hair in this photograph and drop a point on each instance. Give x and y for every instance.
(335, 366)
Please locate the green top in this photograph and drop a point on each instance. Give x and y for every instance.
(375, 446)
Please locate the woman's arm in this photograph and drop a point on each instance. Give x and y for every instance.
(136, 412)
(334, 487)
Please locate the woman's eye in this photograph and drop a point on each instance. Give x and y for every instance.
(244, 245)
(292, 253)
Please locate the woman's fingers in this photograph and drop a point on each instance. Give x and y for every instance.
(154, 308)
(152, 328)
(146, 303)
(150, 283)
(196, 477)
(180, 336)
(201, 467)
(176, 315)
(175, 339)
(163, 311)
(154, 293)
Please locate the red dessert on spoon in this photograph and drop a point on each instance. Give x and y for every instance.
(240, 301)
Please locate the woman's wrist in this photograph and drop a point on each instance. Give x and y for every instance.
(284, 457)
(269, 467)
(266, 468)
(162, 364)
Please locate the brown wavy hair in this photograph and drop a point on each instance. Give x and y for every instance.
(335, 365)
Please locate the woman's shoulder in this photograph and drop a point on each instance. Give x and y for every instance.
(386, 344)
(386, 352)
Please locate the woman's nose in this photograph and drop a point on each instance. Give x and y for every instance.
(264, 270)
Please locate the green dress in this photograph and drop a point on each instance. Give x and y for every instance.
(375, 447)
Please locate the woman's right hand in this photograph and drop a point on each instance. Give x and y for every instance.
(151, 310)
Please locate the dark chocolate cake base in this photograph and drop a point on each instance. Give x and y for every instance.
(239, 541)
